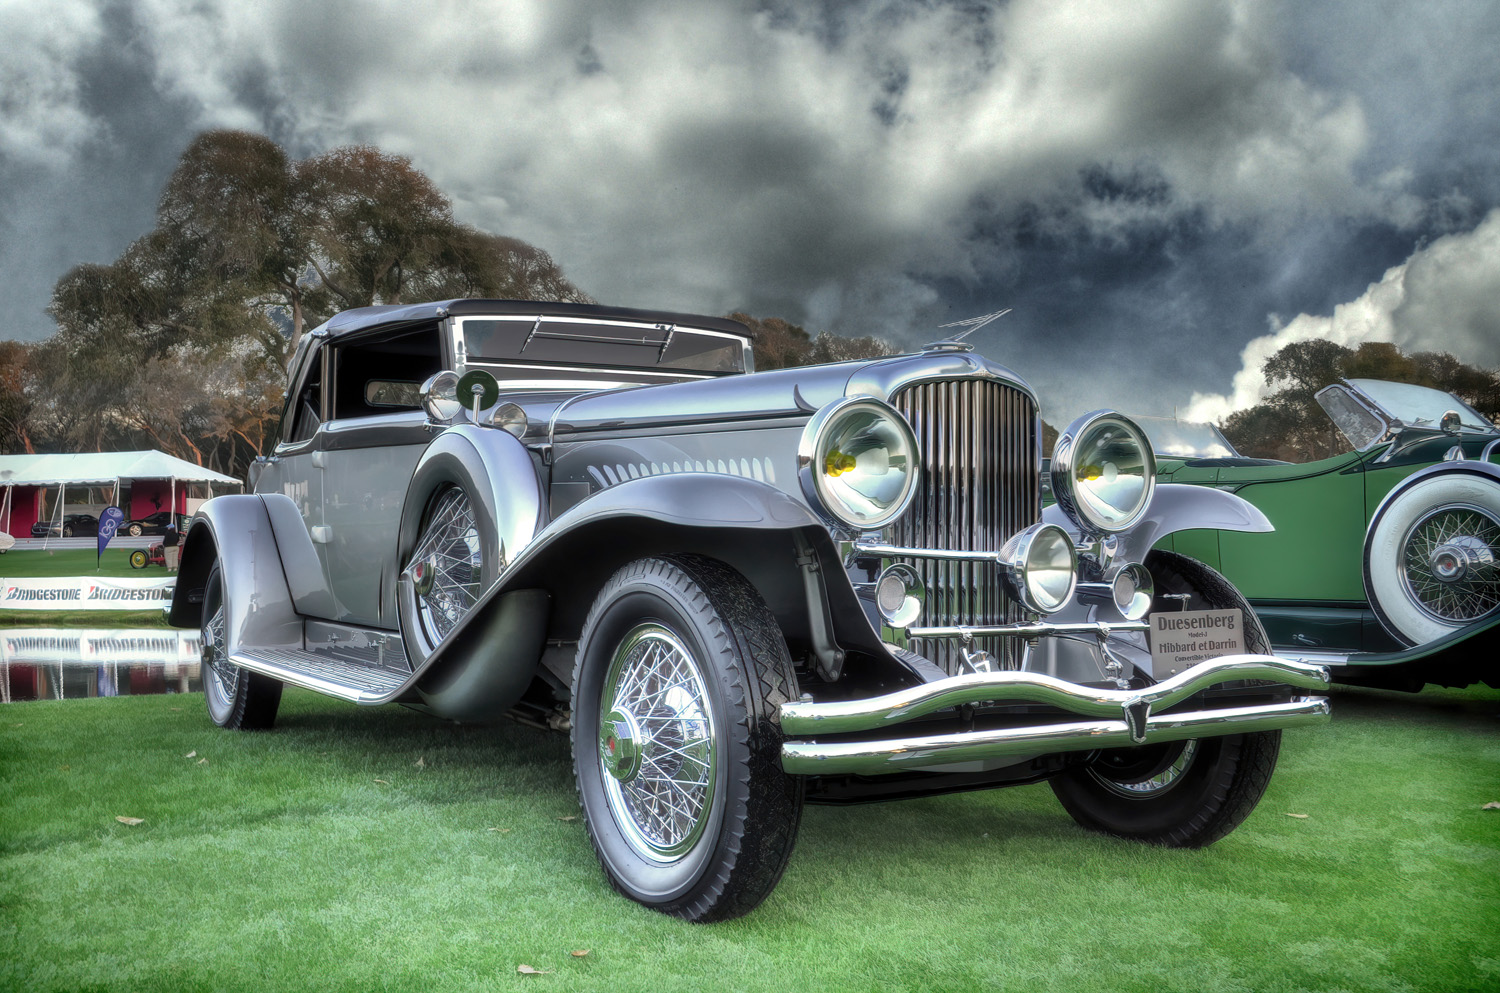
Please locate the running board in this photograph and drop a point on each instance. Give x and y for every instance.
(327, 671)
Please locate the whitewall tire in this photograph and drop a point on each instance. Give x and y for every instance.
(1432, 555)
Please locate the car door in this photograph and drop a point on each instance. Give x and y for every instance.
(290, 469)
(365, 455)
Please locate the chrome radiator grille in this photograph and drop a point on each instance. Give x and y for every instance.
(980, 484)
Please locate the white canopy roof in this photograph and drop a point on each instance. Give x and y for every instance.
(102, 467)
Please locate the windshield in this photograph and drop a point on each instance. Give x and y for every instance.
(560, 348)
(1419, 405)
(1185, 439)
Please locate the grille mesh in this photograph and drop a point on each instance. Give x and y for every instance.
(980, 484)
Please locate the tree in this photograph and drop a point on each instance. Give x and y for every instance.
(16, 404)
(181, 342)
(779, 344)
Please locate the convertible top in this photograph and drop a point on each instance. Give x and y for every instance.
(368, 317)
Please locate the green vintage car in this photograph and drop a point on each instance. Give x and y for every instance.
(1385, 561)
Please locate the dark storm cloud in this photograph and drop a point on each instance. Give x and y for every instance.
(1151, 187)
(81, 197)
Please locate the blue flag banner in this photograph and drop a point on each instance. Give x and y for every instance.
(109, 523)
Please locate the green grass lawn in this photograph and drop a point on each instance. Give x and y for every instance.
(45, 563)
(34, 563)
(355, 849)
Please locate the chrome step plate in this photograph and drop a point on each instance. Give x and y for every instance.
(326, 671)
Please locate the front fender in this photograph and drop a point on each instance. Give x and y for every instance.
(1470, 466)
(750, 525)
(237, 532)
(507, 484)
(1177, 507)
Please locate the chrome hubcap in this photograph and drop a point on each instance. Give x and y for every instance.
(620, 746)
(1449, 563)
(656, 744)
(446, 566)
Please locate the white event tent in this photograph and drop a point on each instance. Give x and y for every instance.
(30, 474)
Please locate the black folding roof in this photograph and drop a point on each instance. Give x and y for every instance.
(370, 317)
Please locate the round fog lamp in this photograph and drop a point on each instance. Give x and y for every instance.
(1133, 589)
(899, 595)
(1103, 472)
(1040, 567)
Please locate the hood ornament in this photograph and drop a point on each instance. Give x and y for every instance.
(955, 342)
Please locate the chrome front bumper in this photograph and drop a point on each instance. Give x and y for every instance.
(1119, 718)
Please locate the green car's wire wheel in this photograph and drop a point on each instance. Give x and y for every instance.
(1449, 563)
(1432, 555)
(447, 566)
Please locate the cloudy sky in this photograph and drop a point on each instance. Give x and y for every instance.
(1163, 191)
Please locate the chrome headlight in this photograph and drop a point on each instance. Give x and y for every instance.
(1103, 472)
(858, 460)
(1040, 567)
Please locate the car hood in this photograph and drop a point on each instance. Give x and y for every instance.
(796, 392)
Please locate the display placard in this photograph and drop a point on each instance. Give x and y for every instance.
(1183, 638)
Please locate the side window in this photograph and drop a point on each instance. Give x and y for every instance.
(381, 373)
(305, 408)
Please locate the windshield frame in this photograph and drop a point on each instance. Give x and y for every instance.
(1395, 402)
(1153, 426)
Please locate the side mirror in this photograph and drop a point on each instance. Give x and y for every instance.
(440, 398)
(1451, 422)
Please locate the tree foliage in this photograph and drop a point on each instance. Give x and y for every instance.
(779, 344)
(1290, 425)
(181, 342)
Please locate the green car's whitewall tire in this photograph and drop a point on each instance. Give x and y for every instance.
(1432, 555)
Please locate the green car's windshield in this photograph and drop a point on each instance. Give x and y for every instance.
(1185, 439)
(1420, 406)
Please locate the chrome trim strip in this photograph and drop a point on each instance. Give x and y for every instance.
(798, 717)
(899, 755)
(1036, 629)
(903, 552)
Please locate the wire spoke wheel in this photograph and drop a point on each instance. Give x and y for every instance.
(656, 743)
(222, 675)
(236, 697)
(1182, 794)
(680, 675)
(447, 564)
(1125, 774)
(1449, 563)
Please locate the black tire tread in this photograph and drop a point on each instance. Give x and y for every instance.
(758, 839)
(257, 697)
(1242, 764)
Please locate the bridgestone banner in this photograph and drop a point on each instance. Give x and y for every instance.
(95, 646)
(85, 594)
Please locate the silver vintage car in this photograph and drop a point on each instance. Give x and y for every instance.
(738, 593)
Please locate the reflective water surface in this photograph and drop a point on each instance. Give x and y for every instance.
(68, 663)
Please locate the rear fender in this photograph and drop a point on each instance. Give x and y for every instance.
(237, 532)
